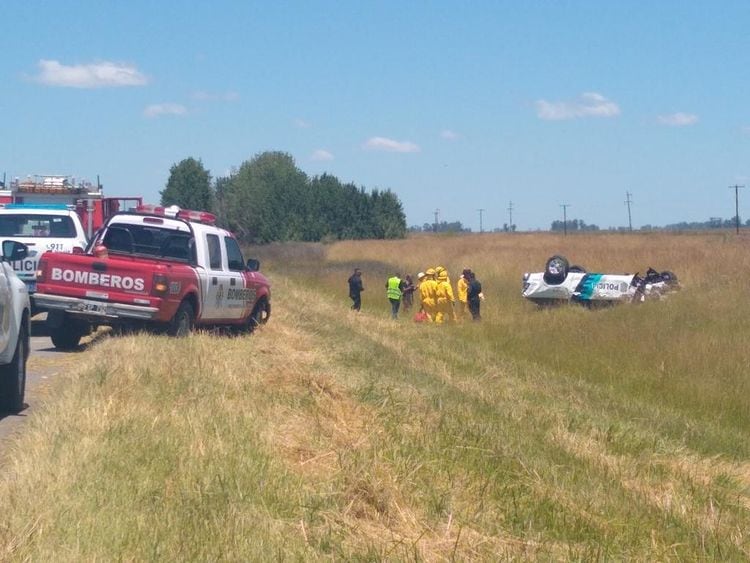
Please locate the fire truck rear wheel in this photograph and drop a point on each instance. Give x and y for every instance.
(68, 335)
(182, 322)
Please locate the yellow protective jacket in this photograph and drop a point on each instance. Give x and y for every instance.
(462, 287)
(444, 292)
(427, 293)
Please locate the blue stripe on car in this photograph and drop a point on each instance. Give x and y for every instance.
(586, 287)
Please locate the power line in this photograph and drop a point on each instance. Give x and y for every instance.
(565, 217)
(628, 201)
(481, 230)
(736, 189)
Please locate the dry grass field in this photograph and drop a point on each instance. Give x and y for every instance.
(562, 434)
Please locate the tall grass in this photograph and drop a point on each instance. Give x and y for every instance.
(565, 434)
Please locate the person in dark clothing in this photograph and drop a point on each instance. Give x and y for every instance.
(407, 291)
(355, 289)
(474, 296)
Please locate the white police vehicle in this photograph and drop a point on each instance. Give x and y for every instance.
(562, 283)
(15, 312)
(42, 228)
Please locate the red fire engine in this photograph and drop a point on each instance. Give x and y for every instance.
(88, 199)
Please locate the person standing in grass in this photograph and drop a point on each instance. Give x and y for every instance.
(408, 292)
(474, 296)
(462, 285)
(428, 293)
(355, 289)
(445, 299)
(394, 290)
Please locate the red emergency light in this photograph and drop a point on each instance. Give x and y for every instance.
(175, 212)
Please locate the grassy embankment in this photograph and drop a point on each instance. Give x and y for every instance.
(563, 434)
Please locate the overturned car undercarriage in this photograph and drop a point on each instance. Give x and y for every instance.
(562, 283)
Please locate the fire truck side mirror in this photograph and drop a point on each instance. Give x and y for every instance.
(253, 265)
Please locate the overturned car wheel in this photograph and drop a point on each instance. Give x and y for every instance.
(556, 270)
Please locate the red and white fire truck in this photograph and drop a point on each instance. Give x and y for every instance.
(164, 268)
(84, 197)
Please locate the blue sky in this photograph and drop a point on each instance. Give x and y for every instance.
(454, 106)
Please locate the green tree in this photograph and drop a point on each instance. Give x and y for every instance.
(189, 186)
(269, 199)
(265, 199)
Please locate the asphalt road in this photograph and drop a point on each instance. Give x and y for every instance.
(40, 368)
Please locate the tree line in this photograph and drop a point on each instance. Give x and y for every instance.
(268, 198)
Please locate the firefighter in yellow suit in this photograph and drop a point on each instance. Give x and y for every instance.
(428, 293)
(445, 299)
(462, 288)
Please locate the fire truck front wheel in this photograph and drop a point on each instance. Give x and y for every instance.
(260, 314)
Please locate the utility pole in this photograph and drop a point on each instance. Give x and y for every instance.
(437, 213)
(565, 218)
(481, 230)
(628, 201)
(736, 189)
(510, 215)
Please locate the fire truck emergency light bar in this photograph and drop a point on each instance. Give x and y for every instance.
(174, 212)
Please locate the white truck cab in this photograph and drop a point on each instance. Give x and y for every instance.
(42, 228)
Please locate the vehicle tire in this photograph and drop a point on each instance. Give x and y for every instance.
(182, 323)
(577, 268)
(556, 270)
(68, 335)
(260, 315)
(13, 376)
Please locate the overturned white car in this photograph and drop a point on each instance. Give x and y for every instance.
(562, 283)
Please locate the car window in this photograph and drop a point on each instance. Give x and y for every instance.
(35, 225)
(234, 255)
(146, 240)
(214, 251)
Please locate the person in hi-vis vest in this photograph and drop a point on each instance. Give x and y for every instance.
(393, 290)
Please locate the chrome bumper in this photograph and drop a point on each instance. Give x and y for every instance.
(94, 309)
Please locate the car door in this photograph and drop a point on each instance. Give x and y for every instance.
(5, 304)
(216, 282)
(238, 295)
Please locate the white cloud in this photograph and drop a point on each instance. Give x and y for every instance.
(678, 119)
(104, 74)
(301, 124)
(588, 104)
(321, 154)
(209, 97)
(448, 135)
(390, 145)
(155, 110)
